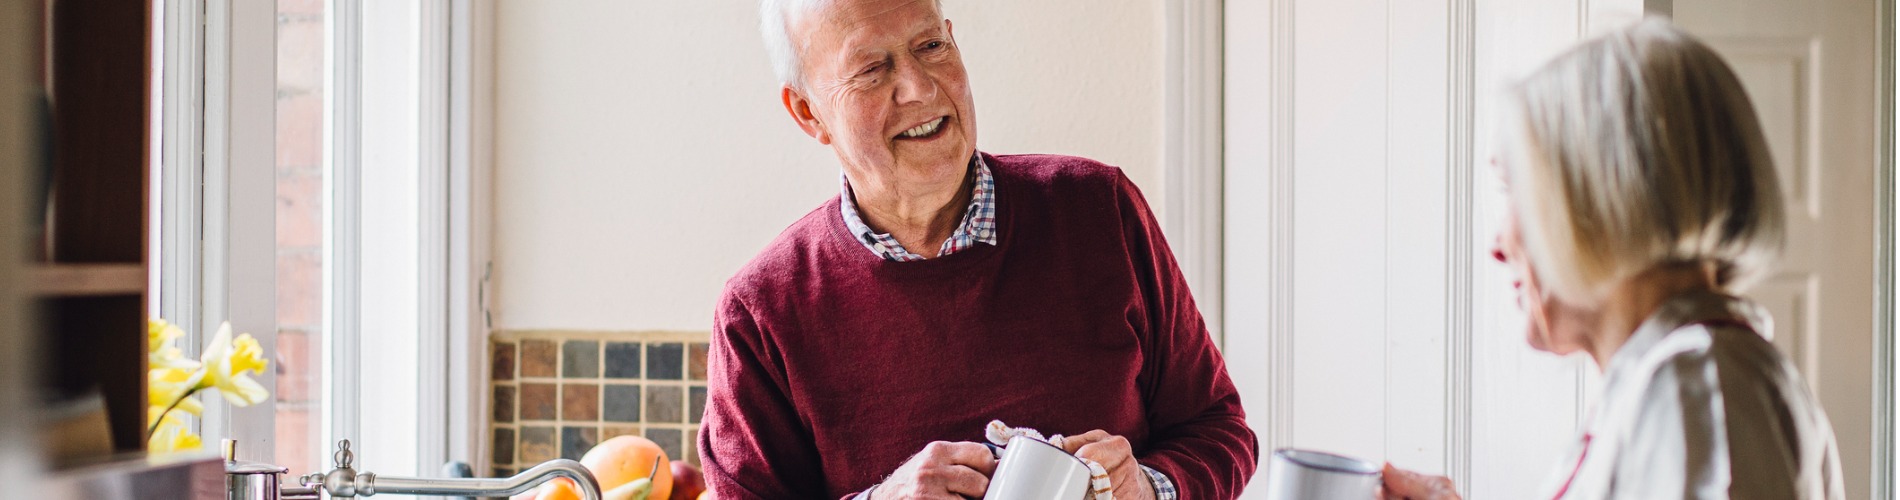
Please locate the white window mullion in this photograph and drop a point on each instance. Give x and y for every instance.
(467, 233)
(238, 263)
(341, 220)
(391, 252)
(181, 168)
(388, 246)
(432, 126)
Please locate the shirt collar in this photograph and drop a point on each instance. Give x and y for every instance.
(1682, 310)
(977, 226)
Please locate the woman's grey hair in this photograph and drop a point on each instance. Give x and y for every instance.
(776, 17)
(1634, 150)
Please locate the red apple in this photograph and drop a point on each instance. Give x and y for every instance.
(687, 481)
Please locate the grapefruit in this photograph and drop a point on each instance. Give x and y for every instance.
(615, 462)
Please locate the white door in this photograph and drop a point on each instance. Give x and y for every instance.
(1809, 68)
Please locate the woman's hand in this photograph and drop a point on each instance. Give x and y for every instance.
(1407, 485)
(1115, 454)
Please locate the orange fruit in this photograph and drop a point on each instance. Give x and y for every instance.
(705, 495)
(559, 489)
(617, 461)
(622, 459)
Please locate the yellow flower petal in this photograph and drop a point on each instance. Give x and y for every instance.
(246, 355)
(225, 363)
(240, 390)
(219, 347)
(164, 385)
(171, 357)
(155, 332)
(173, 436)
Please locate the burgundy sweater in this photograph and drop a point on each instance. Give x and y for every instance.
(830, 366)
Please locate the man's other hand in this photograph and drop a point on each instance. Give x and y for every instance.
(944, 470)
(1115, 454)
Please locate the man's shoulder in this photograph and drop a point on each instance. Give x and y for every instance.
(1052, 169)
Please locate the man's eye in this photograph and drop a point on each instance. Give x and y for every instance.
(933, 45)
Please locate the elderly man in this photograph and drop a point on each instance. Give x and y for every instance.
(863, 351)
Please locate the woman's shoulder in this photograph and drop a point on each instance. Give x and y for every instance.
(1724, 356)
(1691, 370)
(1709, 391)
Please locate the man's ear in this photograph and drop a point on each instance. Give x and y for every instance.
(800, 108)
(951, 28)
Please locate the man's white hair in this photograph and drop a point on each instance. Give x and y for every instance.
(776, 17)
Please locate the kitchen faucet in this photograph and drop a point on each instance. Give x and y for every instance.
(345, 482)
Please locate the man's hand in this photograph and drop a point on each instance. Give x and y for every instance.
(1403, 484)
(1114, 453)
(944, 470)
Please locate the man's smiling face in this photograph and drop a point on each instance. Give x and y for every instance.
(885, 87)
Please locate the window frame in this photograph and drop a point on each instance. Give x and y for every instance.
(218, 231)
(217, 241)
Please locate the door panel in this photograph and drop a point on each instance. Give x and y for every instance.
(1808, 67)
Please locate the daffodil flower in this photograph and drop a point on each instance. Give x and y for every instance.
(171, 387)
(225, 362)
(160, 351)
(170, 435)
(225, 366)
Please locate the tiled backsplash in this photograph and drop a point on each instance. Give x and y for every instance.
(558, 393)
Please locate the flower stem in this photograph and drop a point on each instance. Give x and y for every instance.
(168, 410)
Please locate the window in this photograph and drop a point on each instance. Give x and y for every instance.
(303, 195)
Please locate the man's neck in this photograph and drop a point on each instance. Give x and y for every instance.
(921, 220)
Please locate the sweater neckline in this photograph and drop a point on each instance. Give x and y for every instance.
(842, 239)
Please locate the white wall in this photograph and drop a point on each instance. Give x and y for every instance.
(642, 154)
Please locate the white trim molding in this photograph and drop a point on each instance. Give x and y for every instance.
(1281, 196)
(1192, 150)
(1258, 317)
(1460, 253)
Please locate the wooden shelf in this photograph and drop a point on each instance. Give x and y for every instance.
(88, 280)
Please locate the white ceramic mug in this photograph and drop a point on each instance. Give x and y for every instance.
(1294, 474)
(1031, 469)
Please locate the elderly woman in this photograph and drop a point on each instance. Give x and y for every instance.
(1643, 199)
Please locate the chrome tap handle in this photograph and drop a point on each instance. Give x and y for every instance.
(343, 456)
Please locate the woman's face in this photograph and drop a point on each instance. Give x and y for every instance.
(1551, 324)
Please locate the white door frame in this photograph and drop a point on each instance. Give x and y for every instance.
(1191, 150)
